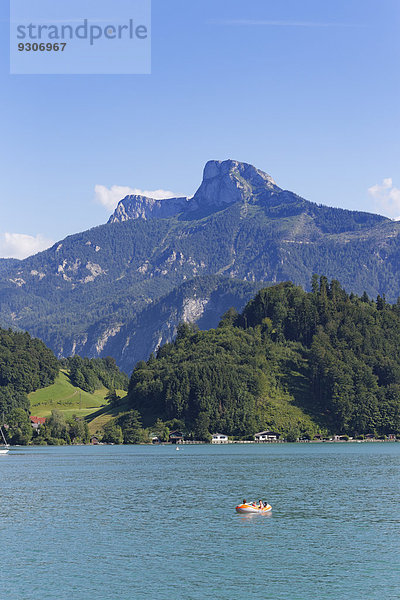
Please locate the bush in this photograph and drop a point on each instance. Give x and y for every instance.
(292, 436)
(112, 433)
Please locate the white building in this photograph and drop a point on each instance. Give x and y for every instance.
(219, 438)
(266, 436)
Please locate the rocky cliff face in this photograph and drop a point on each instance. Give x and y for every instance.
(229, 181)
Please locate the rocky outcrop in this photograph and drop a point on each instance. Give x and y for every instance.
(229, 181)
(142, 207)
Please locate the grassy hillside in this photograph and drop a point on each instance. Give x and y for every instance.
(68, 399)
(97, 420)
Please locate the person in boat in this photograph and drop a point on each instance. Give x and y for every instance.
(244, 501)
(261, 504)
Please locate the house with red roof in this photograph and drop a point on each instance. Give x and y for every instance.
(37, 422)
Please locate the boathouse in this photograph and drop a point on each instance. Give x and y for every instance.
(176, 437)
(219, 438)
(267, 436)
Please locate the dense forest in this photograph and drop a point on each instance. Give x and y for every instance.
(294, 361)
(91, 374)
(26, 365)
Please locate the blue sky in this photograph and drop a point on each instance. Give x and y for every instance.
(307, 91)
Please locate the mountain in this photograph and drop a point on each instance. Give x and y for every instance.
(230, 182)
(95, 287)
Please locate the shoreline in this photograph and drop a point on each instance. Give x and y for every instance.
(200, 443)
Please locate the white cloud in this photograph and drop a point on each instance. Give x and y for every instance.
(21, 245)
(387, 198)
(109, 197)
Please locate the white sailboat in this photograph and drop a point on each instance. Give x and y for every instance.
(5, 448)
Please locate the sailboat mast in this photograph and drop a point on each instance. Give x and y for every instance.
(2, 435)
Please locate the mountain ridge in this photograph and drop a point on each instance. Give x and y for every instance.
(223, 183)
(239, 225)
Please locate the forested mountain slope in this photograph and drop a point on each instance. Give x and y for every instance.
(25, 366)
(201, 300)
(292, 361)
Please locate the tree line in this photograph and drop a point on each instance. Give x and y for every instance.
(26, 365)
(90, 374)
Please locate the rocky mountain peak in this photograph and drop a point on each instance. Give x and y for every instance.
(232, 168)
(229, 181)
(224, 182)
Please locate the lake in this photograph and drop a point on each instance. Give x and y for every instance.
(122, 522)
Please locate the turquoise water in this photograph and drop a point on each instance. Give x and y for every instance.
(128, 522)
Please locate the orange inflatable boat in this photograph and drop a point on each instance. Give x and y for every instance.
(253, 508)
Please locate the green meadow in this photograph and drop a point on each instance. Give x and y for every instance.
(70, 400)
(97, 420)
